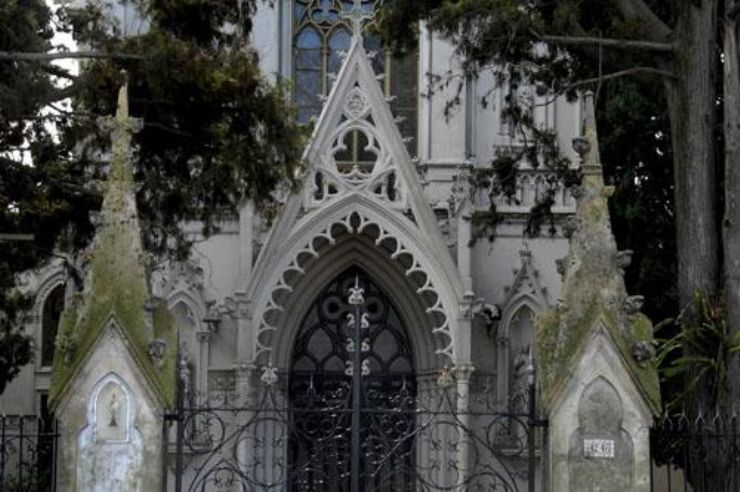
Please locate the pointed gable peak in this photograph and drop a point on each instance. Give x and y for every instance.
(526, 284)
(357, 155)
(356, 145)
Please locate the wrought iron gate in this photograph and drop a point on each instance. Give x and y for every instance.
(371, 429)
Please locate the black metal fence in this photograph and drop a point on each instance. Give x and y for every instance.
(695, 453)
(28, 447)
(426, 440)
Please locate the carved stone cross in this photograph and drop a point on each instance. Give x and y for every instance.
(121, 125)
(357, 17)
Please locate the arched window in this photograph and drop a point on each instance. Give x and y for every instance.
(53, 307)
(320, 33)
(320, 452)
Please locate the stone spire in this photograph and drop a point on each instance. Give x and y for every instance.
(594, 294)
(116, 287)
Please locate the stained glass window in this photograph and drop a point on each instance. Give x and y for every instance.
(320, 34)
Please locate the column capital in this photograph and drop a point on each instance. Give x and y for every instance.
(463, 372)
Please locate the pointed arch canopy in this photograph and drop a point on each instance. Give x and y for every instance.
(392, 235)
(378, 196)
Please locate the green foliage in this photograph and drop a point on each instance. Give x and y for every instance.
(500, 36)
(637, 159)
(697, 354)
(216, 131)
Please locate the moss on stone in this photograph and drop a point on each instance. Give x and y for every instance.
(559, 348)
(165, 328)
(117, 287)
(119, 291)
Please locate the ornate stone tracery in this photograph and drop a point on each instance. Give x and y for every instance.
(358, 221)
(360, 183)
(356, 157)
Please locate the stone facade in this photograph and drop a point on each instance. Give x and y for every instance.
(228, 275)
(404, 219)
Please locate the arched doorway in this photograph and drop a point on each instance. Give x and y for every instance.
(321, 396)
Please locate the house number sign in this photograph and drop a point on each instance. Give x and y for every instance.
(598, 448)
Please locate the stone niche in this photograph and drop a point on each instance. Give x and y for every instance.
(601, 454)
(599, 426)
(110, 424)
(109, 447)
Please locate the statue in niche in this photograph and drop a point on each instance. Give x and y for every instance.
(110, 449)
(521, 370)
(113, 407)
(601, 454)
(111, 414)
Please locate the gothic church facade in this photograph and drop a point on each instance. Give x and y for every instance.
(386, 201)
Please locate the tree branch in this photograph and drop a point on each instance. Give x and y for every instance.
(629, 71)
(625, 44)
(609, 76)
(58, 72)
(62, 55)
(60, 94)
(651, 26)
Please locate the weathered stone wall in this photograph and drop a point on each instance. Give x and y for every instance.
(96, 456)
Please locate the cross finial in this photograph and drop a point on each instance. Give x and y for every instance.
(122, 120)
(357, 17)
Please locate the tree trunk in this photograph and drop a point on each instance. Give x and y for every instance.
(692, 100)
(691, 103)
(731, 222)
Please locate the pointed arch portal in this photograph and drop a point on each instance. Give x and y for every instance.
(354, 347)
(321, 381)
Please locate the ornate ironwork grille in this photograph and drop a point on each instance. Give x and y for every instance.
(321, 381)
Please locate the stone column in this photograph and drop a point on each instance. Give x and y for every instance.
(464, 252)
(463, 374)
(205, 336)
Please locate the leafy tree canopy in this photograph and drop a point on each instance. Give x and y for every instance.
(215, 130)
(669, 134)
(560, 48)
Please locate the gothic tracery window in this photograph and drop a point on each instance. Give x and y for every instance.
(52, 312)
(320, 34)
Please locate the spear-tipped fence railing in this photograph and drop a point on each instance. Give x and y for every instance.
(695, 453)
